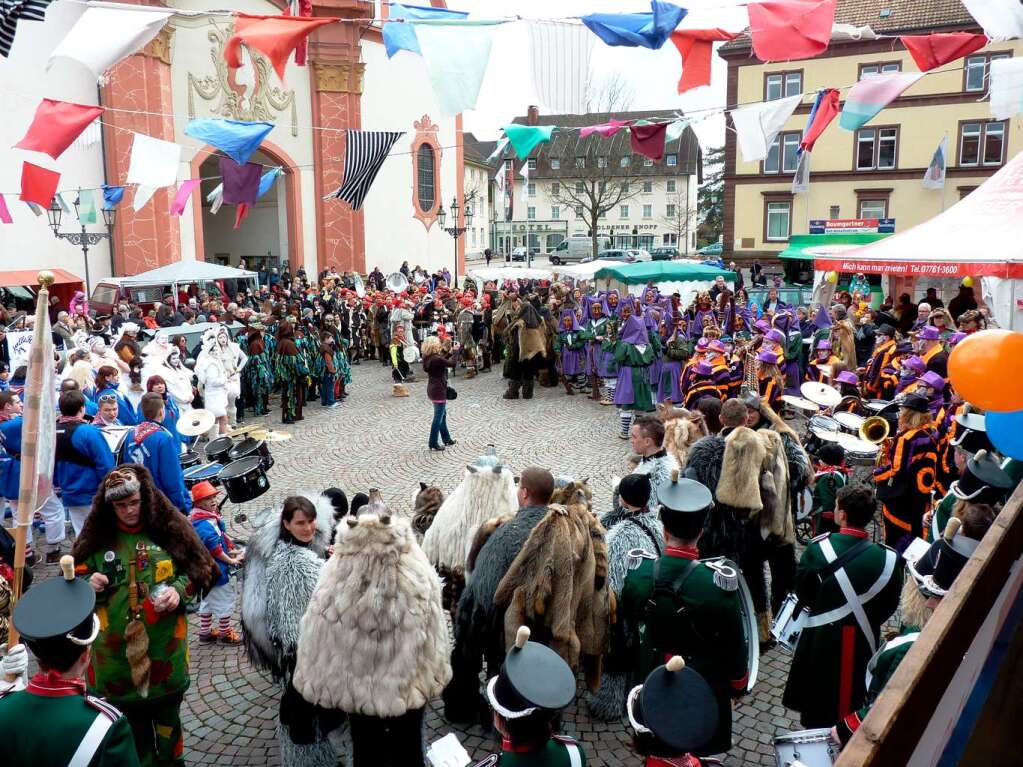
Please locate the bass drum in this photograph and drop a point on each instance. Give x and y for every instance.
(244, 479)
(251, 446)
(217, 451)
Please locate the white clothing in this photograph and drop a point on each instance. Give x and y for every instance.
(78, 516)
(219, 602)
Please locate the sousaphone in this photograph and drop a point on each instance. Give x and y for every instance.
(397, 282)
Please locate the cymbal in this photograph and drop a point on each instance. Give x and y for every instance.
(196, 422)
(820, 394)
(242, 430)
(271, 435)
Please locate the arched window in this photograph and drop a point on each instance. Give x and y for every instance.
(426, 178)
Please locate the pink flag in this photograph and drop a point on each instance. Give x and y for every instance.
(5, 215)
(786, 30)
(181, 198)
(607, 130)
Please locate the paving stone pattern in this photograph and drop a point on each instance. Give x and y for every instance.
(376, 440)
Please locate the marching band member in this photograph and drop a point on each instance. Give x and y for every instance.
(841, 633)
(702, 384)
(824, 358)
(906, 478)
(676, 351)
(108, 381)
(884, 348)
(910, 369)
(770, 382)
(81, 459)
(932, 351)
(153, 446)
(847, 383)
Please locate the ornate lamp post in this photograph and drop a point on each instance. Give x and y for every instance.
(83, 238)
(455, 231)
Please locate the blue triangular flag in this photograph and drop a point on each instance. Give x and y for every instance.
(112, 196)
(267, 180)
(237, 139)
(399, 36)
(646, 30)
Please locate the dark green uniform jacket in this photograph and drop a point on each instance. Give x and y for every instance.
(708, 632)
(45, 724)
(556, 752)
(826, 677)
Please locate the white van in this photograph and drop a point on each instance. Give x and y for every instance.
(577, 247)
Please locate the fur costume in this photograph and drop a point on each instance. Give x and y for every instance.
(168, 528)
(558, 582)
(659, 468)
(374, 640)
(682, 428)
(723, 533)
(738, 484)
(843, 342)
(425, 505)
(565, 491)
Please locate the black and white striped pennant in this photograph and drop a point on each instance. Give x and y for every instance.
(365, 152)
(12, 11)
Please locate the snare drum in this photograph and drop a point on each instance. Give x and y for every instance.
(188, 459)
(218, 449)
(250, 446)
(876, 405)
(244, 479)
(799, 405)
(850, 422)
(858, 452)
(812, 748)
(207, 472)
(788, 624)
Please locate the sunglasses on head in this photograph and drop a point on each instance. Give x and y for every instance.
(107, 398)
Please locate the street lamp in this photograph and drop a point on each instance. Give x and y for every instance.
(455, 231)
(83, 239)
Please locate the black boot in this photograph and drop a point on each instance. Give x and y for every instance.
(513, 390)
(527, 389)
(568, 386)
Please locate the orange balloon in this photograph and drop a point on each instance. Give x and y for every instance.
(986, 368)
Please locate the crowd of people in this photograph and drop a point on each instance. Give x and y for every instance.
(363, 616)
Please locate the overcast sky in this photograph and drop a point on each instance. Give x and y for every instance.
(507, 89)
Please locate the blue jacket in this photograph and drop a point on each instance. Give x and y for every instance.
(11, 432)
(125, 412)
(213, 535)
(10, 475)
(78, 483)
(159, 453)
(171, 414)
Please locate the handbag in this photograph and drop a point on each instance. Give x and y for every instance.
(451, 393)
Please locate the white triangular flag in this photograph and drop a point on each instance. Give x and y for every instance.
(1006, 88)
(498, 150)
(153, 164)
(456, 57)
(216, 198)
(675, 130)
(560, 56)
(757, 125)
(109, 32)
(1001, 19)
(143, 194)
(934, 176)
(525, 184)
(801, 181)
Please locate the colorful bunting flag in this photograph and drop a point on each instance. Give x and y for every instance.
(785, 30)
(56, 125)
(695, 47)
(801, 180)
(59, 197)
(675, 130)
(934, 176)
(560, 64)
(502, 144)
(112, 196)
(644, 30)
(303, 8)
(824, 110)
(401, 36)
(181, 198)
(365, 152)
(241, 182)
(240, 213)
(87, 206)
(607, 130)
(757, 125)
(274, 36)
(930, 51)
(38, 185)
(5, 214)
(36, 210)
(648, 140)
(456, 59)
(267, 180)
(525, 138)
(1001, 19)
(1006, 88)
(237, 139)
(872, 94)
(106, 33)
(153, 164)
(11, 14)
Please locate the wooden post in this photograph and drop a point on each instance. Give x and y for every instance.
(40, 367)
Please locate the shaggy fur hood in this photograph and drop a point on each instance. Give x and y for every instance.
(738, 484)
(374, 640)
(704, 464)
(164, 524)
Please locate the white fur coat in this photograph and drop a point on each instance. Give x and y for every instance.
(374, 640)
(484, 493)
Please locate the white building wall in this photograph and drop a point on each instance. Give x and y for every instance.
(397, 92)
(477, 239)
(29, 243)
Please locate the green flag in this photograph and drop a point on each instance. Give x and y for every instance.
(86, 206)
(525, 138)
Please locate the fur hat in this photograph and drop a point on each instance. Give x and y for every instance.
(120, 484)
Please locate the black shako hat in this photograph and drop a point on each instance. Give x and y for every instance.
(683, 496)
(983, 480)
(56, 616)
(532, 678)
(972, 433)
(675, 705)
(936, 570)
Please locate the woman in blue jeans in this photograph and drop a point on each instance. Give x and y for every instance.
(436, 364)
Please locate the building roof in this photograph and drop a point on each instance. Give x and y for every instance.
(476, 151)
(889, 16)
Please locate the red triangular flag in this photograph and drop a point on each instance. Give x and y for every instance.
(305, 10)
(827, 110)
(648, 140)
(56, 125)
(695, 47)
(930, 51)
(274, 36)
(240, 212)
(785, 30)
(38, 185)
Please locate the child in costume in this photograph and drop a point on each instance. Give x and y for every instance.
(823, 359)
(209, 525)
(830, 476)
(569, 345)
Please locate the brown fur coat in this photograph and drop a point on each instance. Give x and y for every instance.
(843, 343)
(681, 429)
(168, 527)
(558, 585)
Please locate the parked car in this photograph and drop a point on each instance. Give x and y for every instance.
(615, 254)
(793, 295)
(638, 254)
(714, 249)
(520, 254)
(577, 248)
(664, 254)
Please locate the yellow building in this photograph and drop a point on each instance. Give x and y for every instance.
(874, 172)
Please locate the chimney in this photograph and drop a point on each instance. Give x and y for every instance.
(533, 115)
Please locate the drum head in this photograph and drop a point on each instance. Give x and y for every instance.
(799, 403)
(239, 468)
(825, 423)
(857, 446)
(850, 421)
(246, 447)
(877, 405)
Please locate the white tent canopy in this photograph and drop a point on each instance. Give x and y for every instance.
(186, 272)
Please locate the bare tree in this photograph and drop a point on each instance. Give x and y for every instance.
(613, 93)
(679, 216)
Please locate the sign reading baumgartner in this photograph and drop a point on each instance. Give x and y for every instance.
(852, 226)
